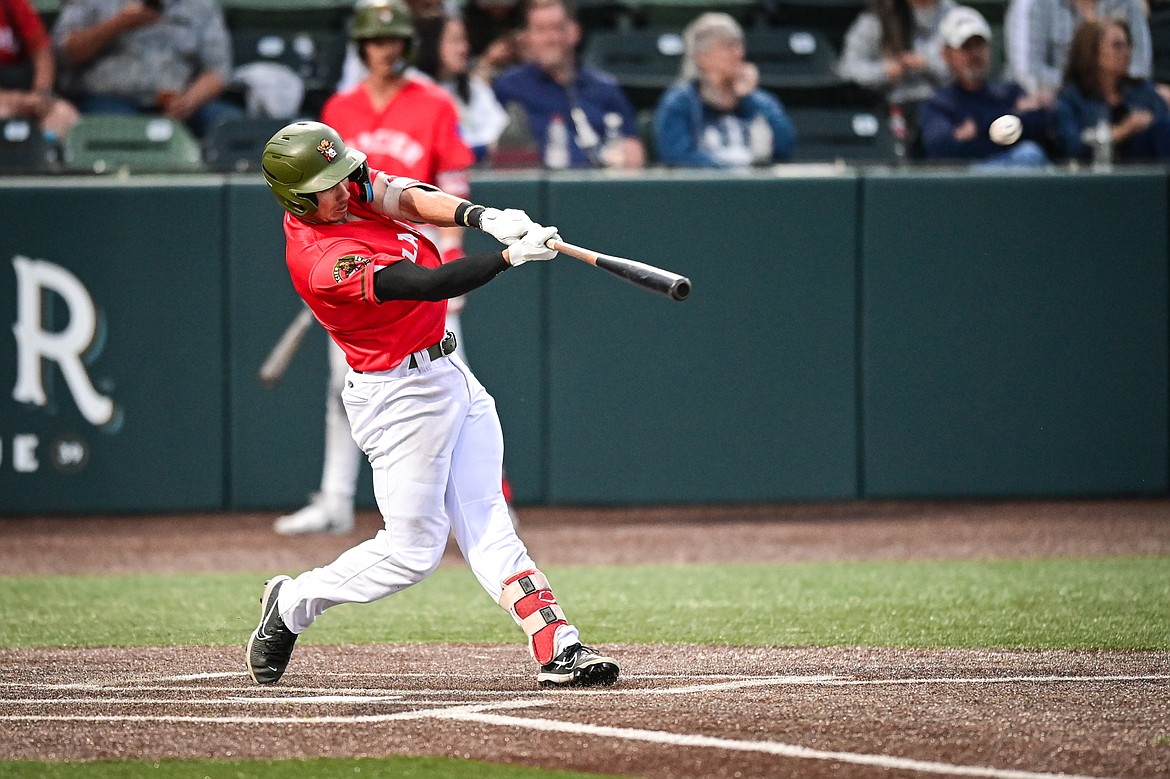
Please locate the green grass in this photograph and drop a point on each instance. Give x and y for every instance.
(1112, 603)
(357, 768)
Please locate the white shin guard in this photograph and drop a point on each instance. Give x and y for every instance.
(528, 597)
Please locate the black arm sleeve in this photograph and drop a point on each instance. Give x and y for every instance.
(406, 281)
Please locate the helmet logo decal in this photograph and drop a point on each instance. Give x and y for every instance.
(348, 265)
(327, 149)
(385, 15)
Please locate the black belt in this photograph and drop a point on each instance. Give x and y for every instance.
(438, 351)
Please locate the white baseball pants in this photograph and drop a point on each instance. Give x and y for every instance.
(434, 441)
(342, 463)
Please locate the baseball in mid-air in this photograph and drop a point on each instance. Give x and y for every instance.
(1006, 130)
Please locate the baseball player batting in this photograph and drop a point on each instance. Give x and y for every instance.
(427, 425)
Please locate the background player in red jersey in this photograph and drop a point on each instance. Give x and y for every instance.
(406, 126)
(425, 422)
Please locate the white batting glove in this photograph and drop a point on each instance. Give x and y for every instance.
(531, 247)
(506, 226)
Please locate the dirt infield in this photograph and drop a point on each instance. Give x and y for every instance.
(678, 711)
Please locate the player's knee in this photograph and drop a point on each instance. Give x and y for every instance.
(420, 562)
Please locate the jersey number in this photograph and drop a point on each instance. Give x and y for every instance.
(409, 252)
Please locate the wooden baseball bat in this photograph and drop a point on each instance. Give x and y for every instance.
(639, 274)
(282, 353)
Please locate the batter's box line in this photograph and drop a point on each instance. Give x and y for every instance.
(1048, 679)
(765, 747)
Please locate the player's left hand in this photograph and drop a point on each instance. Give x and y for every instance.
(533, 246)
(507, 226)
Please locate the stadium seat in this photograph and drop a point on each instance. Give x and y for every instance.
(1160, 33)
(235, 146)
(139, 144)
(645, 119)
(24, 148)
(848, 134)
(676, 14)
(313, 54)
(285, 14)
(831, 17)
(644, 62)
(796, 64)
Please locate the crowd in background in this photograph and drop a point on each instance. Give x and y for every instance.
(1077, 72)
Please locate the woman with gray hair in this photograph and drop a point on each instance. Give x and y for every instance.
(716, 116)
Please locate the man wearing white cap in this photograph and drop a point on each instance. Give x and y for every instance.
(956, 121)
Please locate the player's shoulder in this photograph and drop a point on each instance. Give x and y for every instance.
(342, 98)
(597, 77)
(517, 78)
(424, 89)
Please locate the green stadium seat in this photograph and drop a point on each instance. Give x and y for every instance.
(831, 17)
(235, 146)
(851, 135)
(796, 64)
(644, 62)
(24, 148)
(315, 55)
(139, 144)
(1160, 33)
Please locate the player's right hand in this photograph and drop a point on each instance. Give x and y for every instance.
(506, 226)
(532, 246)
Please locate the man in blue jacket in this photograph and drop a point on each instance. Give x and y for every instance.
(592, 117)
(955, 120)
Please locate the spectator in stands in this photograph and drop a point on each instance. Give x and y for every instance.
(493, 33)
(171, 57)
(1099, 90)
(555, 90)
(716, 116)
(28, 71)
(1038, 34)
(894, 48)
(955, 120)
(443, 55)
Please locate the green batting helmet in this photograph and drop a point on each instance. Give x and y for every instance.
(382, 19)
(304, 158)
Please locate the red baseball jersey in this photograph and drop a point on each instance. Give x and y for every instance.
(332, 268)
(415, 135)
(21, 31)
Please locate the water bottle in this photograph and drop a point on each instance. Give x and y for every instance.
(898, 131)
(1103, 145)
(556, 147)
(760, 140)
(613, 153)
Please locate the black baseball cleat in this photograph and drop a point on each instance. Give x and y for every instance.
(271, 644)
(579, 666)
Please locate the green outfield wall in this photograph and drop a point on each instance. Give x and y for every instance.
(850, 335)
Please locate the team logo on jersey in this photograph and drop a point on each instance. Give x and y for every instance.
(327, 149)
(349, 265)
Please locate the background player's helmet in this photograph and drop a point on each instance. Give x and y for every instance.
(385, 19)
(308, 157)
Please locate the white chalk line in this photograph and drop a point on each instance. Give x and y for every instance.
(308, 699)
(356, 719)
(370, 696)
(1052, 679)
(479, 713)
(766, 747)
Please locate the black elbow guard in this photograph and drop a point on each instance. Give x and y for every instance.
(361, 177)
